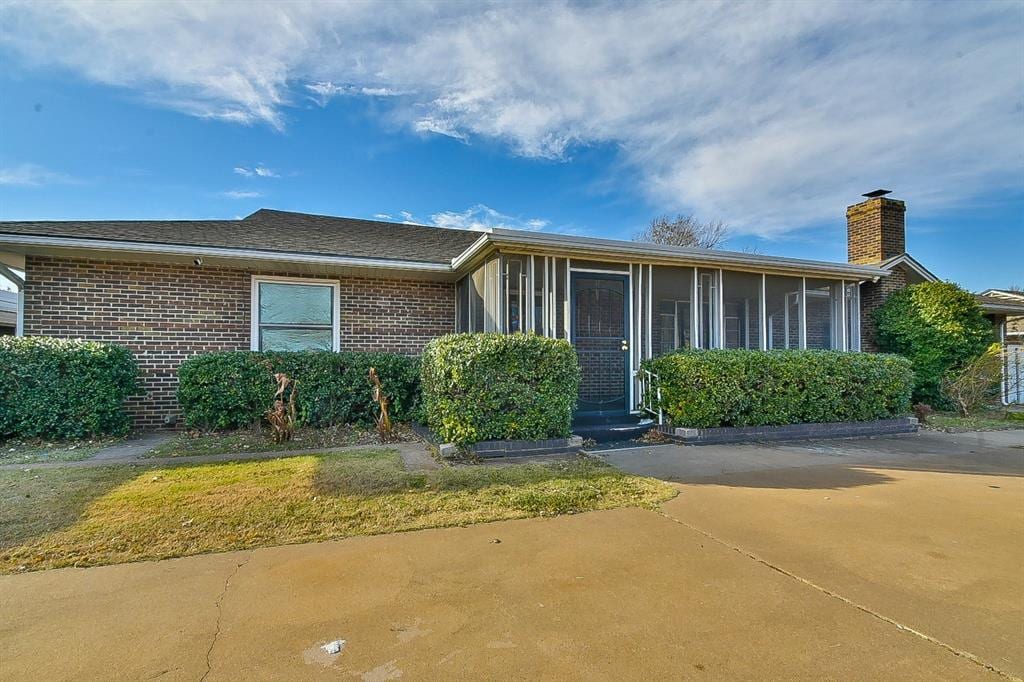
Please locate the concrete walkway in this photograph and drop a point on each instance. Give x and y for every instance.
(132, 448)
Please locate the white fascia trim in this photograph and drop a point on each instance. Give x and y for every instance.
(637, 251)
(910, 262)
(1011, 309)
(221, 252)
(1002, 293)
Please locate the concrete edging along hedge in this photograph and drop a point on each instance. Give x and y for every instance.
(749, 434)
(503, 448)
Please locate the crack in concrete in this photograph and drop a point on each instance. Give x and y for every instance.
(218, 604)
(835, 595)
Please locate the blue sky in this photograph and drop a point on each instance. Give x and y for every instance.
(559, 117)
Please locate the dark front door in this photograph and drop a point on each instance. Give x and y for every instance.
(600, 332)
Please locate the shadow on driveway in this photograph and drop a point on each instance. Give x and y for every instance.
(852, 463)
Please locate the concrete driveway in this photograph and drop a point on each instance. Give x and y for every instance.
(899, 565)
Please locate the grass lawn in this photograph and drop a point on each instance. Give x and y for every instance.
(31, 452)
(987, 420)
(104, 515)
(258, 440)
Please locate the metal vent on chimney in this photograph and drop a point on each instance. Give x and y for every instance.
(877, 193)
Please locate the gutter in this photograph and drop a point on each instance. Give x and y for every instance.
(592, 246)
(220, 252)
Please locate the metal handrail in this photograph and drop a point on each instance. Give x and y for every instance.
(649, 381)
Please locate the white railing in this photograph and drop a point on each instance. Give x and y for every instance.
(1013, 375)
(650, 394)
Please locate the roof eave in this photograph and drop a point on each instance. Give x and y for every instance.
(1001, 309)
(184, 250)
(595, 247)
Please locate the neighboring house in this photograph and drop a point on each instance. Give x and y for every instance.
(282, 281)
(1014, 322)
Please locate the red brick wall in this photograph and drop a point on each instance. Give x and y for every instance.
(872, 296)
(166, 313)
(875, 230)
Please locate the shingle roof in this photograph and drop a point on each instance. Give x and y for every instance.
(269, 230)
(996, 304)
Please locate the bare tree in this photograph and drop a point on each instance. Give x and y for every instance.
(684, 230)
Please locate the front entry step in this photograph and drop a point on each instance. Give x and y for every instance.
(606, 429)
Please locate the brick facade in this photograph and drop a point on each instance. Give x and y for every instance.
(166, 313)
(872, 296)
(875, 230)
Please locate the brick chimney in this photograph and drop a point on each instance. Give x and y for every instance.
(875, 229)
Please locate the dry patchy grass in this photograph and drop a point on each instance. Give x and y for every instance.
(983, 420)
(126, 513)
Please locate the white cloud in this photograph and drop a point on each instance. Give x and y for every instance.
(32, 175)
(325, 91)
(257, 171)
(446, 127)
(482, 217)
(241, 194)
(382, 216)
(770, 116)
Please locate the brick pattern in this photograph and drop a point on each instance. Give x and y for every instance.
(166, 313)
(875, 230)
(872, 296)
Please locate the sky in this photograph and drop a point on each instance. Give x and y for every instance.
(588, 119)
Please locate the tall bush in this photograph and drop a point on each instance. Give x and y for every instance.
(939, 327)
(236, 388)
(976, 384)
(711, 388)
(480, 387)
(64, 388)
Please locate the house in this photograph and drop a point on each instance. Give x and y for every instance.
(277, 280)
(1014, 331)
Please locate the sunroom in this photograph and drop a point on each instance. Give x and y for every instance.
(619, 305)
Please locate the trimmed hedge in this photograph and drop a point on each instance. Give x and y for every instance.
(479, 387)
(940, 327)
(710, 388)
(235, 388)
(64, 388)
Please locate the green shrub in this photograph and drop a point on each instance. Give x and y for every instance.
(64, 388)
(709, 388)
(235, 388)
(939, 327)
(480, 387)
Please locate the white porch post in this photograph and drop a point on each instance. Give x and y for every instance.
(803, 313)
(764, 313)
(19, 320)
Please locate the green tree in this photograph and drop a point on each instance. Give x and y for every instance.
(939, 327)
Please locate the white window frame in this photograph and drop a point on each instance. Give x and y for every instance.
(254, 306)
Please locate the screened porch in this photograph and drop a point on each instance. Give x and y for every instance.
(652, 309)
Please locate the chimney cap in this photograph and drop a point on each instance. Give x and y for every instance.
(877, 193)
